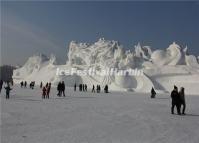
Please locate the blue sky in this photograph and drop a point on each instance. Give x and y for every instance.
(48, 27)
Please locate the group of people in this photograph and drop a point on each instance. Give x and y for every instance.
(82, 87)
(61, 89)
(45, 90)
(24, 84)
(178, 97)
(178, 100)
(98, 89)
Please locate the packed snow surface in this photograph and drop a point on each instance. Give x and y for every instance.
(161, 68)
(85, 117)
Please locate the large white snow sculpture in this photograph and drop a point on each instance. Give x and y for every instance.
(162, 68)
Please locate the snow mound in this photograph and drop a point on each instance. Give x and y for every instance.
(161, 68)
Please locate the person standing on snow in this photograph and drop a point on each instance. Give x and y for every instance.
(21, 83)
(175, 101)
(7, 88)
(59, 89)
(25, 84)
(106, 89)
(182, 97)
(41, 85)
(93, 89)
(63, 88)
(48, 90)
(75, 86)
(153, 93)
(44, 92)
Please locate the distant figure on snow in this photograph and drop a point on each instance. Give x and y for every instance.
(44, 92)
(153, 93)
(59, 89)
(48, 90)
(25, 84)
(93, 89)
(75, 86)
(182, 97)
(32, 84)
(63, 88)
(7, 88)
(21, 83)
(80, 87)
(106, 89)
(175, 100)
(41, 85)
(98, 88)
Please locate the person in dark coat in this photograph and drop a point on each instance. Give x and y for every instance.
(44, 92)
(106, 89)
(75, 86)
(63, 88)
(99, 88)
(21, 83)
(59, 89)
(93, 89)
(80, 87)
(25, 84)
(41, 85)
(32, 84)
(183, 102)
(7, 88)
(1, 85)
(175, 101)
(48, 90)
(153, 93)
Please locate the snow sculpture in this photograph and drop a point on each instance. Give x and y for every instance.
(162, 68)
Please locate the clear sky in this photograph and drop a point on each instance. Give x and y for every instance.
(48, 27)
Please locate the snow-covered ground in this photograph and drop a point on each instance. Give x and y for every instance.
(84, 117)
